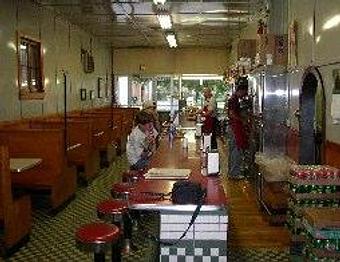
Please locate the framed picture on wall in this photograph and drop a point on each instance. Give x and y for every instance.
(100, 87)
(82, 94)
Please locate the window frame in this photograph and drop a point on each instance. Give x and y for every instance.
(30, 92)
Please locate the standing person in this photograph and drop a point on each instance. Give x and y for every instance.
(238, 134)
(151, 108)
(171, 131)
(209, 116)
(142, 141)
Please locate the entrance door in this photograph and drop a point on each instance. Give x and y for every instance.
(311, 121)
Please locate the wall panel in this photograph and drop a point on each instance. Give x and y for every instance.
(61, 42)
(333, 154)
(170, 61)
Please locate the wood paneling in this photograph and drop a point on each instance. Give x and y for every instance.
(15, 213)
(53, 174)
(332, 154)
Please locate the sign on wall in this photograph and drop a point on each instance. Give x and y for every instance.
(335, 106)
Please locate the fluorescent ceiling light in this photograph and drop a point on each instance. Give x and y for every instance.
(220, 11)
(162, 2)
(318, 38)
(227, 19)
(201, 77)
(171, 40)
(164, 21)
(310, 30)
(332, 22)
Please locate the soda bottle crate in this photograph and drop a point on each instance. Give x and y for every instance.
(315, 196)
(321, 255)
(322, 222)
(296, 210)
(311, 188)
(321, 234)
(322, 249)
(319, 181)
(297, 207)
(321, 173)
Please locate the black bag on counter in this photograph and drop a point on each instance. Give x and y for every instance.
(187, 192)
(183, 192)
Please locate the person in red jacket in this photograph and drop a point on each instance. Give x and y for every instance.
(209, 116)
(238, 134)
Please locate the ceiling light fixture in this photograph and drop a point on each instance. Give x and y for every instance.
(171, 40)
(223, 11)
(161, 2)
(165, 21)
(332, 22)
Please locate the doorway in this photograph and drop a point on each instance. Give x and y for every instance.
(312, 118)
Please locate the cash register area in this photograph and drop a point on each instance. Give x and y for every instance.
(250, 236)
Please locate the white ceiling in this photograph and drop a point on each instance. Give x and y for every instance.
(133, 23)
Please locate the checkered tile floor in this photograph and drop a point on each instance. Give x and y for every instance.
(52, 237)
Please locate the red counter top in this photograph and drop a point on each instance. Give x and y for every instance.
(177, 157)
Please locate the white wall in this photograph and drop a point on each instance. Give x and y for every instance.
(62, 42)
(169, 61)
(325, 49)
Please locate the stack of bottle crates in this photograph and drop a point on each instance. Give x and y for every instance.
(322, 227)
(309, 187)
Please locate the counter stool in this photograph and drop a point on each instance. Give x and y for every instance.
(116, 211)
(122, 190)
(98, 237)
(132, 176)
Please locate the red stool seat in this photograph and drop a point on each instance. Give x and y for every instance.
(117, 211)
(122, 190)
(97, 233)
(132, 176)
(112, 206)
(97, 237)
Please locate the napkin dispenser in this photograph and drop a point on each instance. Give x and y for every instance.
(206, 142)
(213, 163)
(198, 130)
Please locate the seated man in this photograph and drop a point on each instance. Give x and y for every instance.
(141, 142)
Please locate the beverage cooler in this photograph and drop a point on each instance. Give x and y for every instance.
(270, 106)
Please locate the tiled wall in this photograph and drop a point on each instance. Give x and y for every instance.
(205, 241)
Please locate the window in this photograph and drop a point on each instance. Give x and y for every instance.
(123, 87)
(167, 93)
(30, 69)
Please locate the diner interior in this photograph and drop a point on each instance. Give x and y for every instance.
(75, 76)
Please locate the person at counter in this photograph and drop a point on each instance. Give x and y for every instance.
(209, 116)
(238, 135)
(151, 108)
(142, 141)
